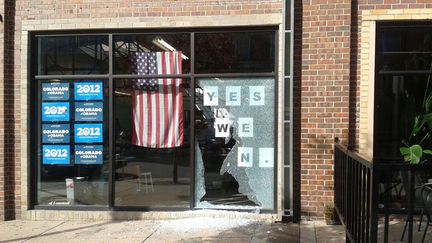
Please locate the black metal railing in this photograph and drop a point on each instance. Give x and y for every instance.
(368, 192)
(354, 195)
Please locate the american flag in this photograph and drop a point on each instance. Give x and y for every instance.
(157, 104)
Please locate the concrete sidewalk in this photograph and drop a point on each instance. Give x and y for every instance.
(319, 232)
(180, 230)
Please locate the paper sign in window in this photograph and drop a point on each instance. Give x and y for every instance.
(222, 127)
(56, 154)
(256, 95)
(233, 95)
(88, 133)
(88, 90)
(211, 95)
(266, 157)
(245, 157)
(245, 127)
(88, 154)
(55, 133)
(55, 111)
(88, 111)
(55, 91)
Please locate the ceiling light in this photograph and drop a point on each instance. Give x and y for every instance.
(167, 47)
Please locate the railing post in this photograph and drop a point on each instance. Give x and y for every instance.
(347, 239)
(356, 195)
(374, 203)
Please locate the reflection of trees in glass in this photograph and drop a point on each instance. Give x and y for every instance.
(212, 46)
(234, 52)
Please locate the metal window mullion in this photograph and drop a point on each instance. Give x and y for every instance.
(282, 145)
(111, 124)
(192, 123)
(288, 122)
(93, 76)
(291, 102)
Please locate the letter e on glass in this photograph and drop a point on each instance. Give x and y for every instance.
(245, 129)
(233, 95)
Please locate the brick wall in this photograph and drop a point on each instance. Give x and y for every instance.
(145, 8)
(2, 174)
(330, 88)
(296, 119)
(12, 104)
(9, 176)
(324, 97)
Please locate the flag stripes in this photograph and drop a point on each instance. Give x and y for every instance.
(158, 111)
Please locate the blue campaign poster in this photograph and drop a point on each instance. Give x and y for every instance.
(88, 111)
(88, 90)
(55, 111)
(88, 154)
(55, 91)
(56, 154)
(88, 133)
(55, 133)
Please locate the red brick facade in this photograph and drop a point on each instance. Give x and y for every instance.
(133, 8)
(329, 88)
(9, 161)
(324, 96)
(2, 166)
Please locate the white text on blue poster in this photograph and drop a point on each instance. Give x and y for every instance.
(55, 111)
(88, 90)
(55, 91)
(88, 111)
(56, 154)
(88, 133)
(88, 154)
(55, 133)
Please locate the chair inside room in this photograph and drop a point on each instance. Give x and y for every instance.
(426, 193)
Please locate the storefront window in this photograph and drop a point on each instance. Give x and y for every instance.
(234, 149)
(73, 55)
(126, 48)
(73, 142)
(235, 52)
(191, 126)
(152, 157)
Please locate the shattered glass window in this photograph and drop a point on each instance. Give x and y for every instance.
(234, 148)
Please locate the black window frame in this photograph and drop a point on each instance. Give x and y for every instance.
(381, 27)
(34, 118)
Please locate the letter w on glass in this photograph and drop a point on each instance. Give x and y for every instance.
(157, 104)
